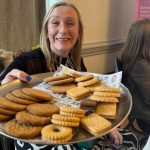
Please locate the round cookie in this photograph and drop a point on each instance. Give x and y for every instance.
(39, 94)
(56, 134)
(7, 112)
(20, 94)
(6, 104)
(5, 117)
(61, 89)
(15, 99)
(88, 82)
(27, 118)
(55, 78)
(19, 130)
(46, 110)
(73, 110)
(65, 120)
(64, 81)
(71, 73)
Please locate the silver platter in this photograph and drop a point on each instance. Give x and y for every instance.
(80, 135)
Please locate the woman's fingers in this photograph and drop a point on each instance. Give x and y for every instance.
(116, 136)
(16, 74)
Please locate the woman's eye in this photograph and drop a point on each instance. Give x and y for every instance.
(55, 23)
(70, 24)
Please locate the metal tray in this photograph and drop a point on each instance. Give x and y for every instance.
(80, 135)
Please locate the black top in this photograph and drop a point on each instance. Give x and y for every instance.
(32, 62)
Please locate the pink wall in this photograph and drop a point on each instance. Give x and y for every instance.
(142, 9)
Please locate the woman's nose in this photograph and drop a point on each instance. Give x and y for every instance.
(63, 29)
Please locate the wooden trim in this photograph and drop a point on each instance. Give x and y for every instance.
(98, 49)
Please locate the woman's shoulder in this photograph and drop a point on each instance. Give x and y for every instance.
(33, 53)
(141, 66)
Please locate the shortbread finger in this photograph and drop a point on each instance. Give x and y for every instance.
(106, 94)
(88, 82)
(104, 99)
(55, 78)
(84, 78)
(107, 89)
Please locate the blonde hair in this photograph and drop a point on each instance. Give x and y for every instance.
(137, 45)
(74, 58)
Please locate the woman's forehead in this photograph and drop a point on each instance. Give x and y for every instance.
(64, 11)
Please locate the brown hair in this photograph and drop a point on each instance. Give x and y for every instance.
(137, 44)
(74, 58)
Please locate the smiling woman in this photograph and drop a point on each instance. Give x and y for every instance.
(63, 30)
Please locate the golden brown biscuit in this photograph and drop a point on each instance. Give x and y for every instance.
(5, 117)
(84, 78)
(92, 87)
(45, 110)
(64, 81)
(39, 94)
(95, 124)
(7, 112)
(56, 134)
(15, 99)
(107, 94)
(27, 118)
(88, 82)
(6, 104)
(103, 99)
(71, 73)
(72, 112)
(65, 123)
(78, 92)
(61, 89)
(107, 89)
(19, 130)
(65, 120)
(107, 110)
(55, 78)
(69, 109)
(20, 94)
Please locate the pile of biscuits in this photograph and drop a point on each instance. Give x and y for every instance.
(95, 94)
(26, 111)
(76, 86)
(30, 113)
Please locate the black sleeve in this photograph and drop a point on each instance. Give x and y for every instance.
(18, 63)
(83, 68)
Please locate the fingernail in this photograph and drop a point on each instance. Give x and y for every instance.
(28, 78)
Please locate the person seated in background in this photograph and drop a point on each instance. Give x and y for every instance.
(60, 41)
(135, 61)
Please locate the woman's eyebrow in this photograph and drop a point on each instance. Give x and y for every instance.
(54, 16)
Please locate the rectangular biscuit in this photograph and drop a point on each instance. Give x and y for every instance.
(95, 124)
(78, 92)
(107, 110)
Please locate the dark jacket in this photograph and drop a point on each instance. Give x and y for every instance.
(32, 62)
(138, 82)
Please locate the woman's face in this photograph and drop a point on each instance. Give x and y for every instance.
(63, 30)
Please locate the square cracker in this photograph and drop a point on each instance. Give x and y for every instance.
(107, 110)
(95, 124)
(78, 92)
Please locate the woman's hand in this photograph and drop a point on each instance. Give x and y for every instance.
(115, 136)
(16, 74)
